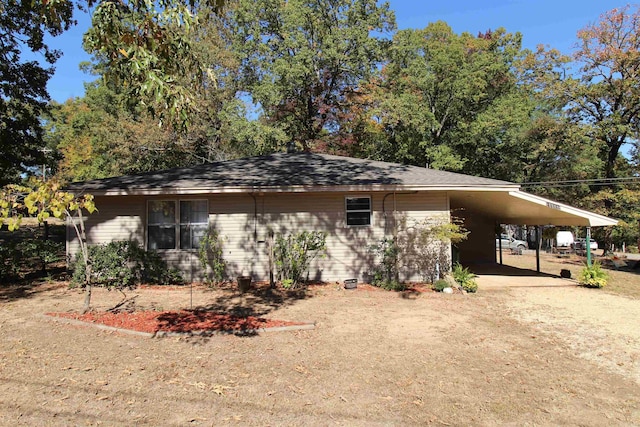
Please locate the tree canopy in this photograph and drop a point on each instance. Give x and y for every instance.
(300, 60)
(23, 94)
(191, 82)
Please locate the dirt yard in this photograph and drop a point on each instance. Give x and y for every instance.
(523, 351)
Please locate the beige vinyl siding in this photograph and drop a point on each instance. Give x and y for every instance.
(117, 218)
(234, 218)
(348, 254)
(416, 209)
(244, 224)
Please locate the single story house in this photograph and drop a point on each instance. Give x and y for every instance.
(355, 201)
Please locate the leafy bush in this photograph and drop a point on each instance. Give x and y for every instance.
(593, 276)
(124, 265)
(28, 254)
(386, 271)
(465, 278)
(440, 284)
(38, 253)
(293, 254)
(287, 283)
(9, 260)
(424, 247)
(210, 253)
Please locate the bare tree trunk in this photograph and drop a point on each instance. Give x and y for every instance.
(82, 239)
(87, 298)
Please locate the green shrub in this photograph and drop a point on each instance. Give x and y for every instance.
(439, 285)
(27, 255)
(124, 265)
(386, 272)
(632, 249)
(210, 253)
(389, 285)
(293, 254)
(38, 253)
(470, 286)
(464, 278)
(287, 283)
(593, 276)
(9, 260)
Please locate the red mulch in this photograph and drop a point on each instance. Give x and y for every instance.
(176, 321)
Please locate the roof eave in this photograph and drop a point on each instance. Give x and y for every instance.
(592, 219)
(161, 191)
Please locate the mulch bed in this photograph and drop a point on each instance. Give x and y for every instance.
(176, 321)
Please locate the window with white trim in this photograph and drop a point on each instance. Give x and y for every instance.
(358, 210)
(176, 225)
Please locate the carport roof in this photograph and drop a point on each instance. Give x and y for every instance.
(518, 207)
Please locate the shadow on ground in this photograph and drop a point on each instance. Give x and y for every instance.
(242, 309)
(31, 284)
(506, 270)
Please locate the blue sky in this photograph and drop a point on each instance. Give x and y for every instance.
(547, 22)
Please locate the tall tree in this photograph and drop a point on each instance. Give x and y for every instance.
(302, 59)
(99, 136)
(604, 96)
(606, 93)
(23, 94)
(447, 97)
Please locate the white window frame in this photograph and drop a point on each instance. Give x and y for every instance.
(347, 210)
(177, 224)
(180, 224)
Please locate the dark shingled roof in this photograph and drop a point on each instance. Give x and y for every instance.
(286, 170)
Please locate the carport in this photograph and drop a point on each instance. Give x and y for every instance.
(482, 211)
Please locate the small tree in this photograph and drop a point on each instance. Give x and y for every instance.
(422, 247)
(425, 245)
(44, 200)
(386, 274)
(210, 254)
(293, 255)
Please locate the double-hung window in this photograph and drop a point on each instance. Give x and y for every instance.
(194, 220)
(175, 224)
(358, 210)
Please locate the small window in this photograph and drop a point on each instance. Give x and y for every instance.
(166, 232)
(358, 211)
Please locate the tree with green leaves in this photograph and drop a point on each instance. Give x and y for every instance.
(44, 200)
(596, 94)
(445, 97)
(98, 136)
(146, 47)
(23, 94)
(143, 46)
(302, 59)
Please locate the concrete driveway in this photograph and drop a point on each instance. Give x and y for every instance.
(497, 276)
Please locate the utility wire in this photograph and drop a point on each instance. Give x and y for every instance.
(595, 182)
